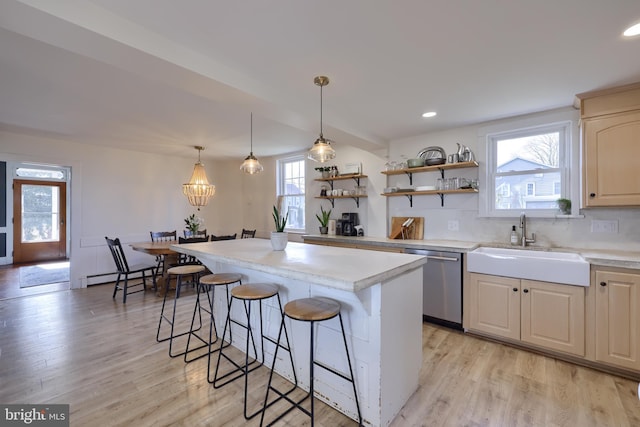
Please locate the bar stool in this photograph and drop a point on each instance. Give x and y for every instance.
(178, 272)
(248, 293)
(312, 310)
(208, 284)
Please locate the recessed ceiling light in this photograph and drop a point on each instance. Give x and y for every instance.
(429, 114)
(634, 30)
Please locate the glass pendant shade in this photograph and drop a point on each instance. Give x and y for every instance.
(198, 190)
(321, 151)
(251, 165)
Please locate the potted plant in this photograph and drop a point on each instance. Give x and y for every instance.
(324, 170)
(279, 237)
(565, 206)
(324, 220)
(193, 224)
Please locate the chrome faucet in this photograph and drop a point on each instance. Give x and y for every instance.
(523, 225)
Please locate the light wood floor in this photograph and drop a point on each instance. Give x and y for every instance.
(10, 284)
(82, 348)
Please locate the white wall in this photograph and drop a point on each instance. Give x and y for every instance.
(372, 210)
(463, 208)
(126, 194)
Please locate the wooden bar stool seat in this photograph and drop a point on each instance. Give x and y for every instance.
(248, 293)
(178, 272)
(208, 284)
(255, 291)
(311, 310)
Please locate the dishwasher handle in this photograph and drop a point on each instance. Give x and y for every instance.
(441, 258)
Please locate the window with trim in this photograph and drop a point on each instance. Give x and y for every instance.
(291, 186)
(528, 170)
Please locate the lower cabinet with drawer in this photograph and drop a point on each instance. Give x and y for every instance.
(547, 315)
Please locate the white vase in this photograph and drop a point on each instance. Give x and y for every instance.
(279, 240)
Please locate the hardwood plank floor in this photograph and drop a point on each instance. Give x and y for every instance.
(10, 284)
(83, 348)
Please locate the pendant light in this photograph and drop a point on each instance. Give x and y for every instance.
(198, 190)
(321, 151)
(251, 165)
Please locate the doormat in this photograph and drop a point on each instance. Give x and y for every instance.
(44, 274)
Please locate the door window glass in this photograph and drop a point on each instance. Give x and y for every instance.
(40, 213)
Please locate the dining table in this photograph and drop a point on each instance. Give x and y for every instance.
(159, 249)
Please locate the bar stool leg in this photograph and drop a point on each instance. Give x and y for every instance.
(222, 345)
(198, 307)
(352, 379)
(312, 363)
(172, 335)
(227, 326)
(282, 395)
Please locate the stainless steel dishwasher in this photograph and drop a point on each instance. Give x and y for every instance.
(442, 281)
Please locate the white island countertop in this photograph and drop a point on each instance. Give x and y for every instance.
(340, 268)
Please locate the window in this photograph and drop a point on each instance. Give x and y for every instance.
(291, 186)
(530, 188)
(527, 170)
(41, 173)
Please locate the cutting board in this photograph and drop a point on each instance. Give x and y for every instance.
(416, 230)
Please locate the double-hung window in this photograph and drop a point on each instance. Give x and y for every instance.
(291, 188)
(528, 170)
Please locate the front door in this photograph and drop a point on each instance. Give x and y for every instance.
(39, 229)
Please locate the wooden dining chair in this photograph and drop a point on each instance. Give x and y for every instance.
(162, 236)
(200, 233)
(190, 259)
(225, 237)
(248, 234)
(138, 271)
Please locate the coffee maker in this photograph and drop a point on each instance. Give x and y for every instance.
(348, 224)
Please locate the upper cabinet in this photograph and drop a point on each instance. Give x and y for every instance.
(611, 146)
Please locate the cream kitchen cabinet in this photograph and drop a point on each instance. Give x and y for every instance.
(617, 319)
(611, 146)
(542, 314)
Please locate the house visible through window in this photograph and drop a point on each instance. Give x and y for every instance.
(291, 186)
(527, 169)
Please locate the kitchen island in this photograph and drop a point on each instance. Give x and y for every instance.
(381, 298)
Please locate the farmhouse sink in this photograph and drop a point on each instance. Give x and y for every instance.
(547, 266)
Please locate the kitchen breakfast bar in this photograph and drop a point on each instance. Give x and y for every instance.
(381, 298)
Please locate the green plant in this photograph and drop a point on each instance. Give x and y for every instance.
(323, 168)
(324, 219)
(564, 205)
(193, 223)
(280, 221)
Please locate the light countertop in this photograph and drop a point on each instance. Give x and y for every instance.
(597, 257)
(340, 268)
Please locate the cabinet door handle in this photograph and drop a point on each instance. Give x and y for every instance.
(603, 283)
(515, 289)
(526, 291)
(592, 195)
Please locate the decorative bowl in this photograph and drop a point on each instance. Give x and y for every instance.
(415, 163)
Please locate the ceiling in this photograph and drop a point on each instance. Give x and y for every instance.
(162, 76)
